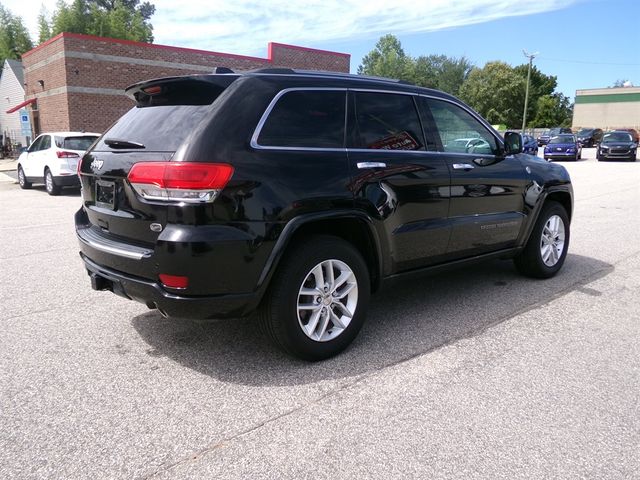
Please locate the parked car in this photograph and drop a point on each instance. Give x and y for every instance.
(563, 147)
(52, 159)
(298, 194)
(547, 134)
(589, 137)
(617, 145)
(529, 145)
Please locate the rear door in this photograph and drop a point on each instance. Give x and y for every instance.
(397, 178)
(486, 210)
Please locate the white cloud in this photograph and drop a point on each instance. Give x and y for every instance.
(246, 26)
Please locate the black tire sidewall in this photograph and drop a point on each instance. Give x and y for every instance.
(532, 256)
(283, 302)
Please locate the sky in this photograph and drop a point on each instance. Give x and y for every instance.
(585, 43)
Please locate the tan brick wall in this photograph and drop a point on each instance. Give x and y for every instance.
(71, 62)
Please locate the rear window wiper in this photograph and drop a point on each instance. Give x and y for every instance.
(116, 143)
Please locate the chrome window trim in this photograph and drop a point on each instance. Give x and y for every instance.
(256, 133)
(263, 119)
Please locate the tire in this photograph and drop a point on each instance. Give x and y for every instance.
(50, 184)
(531, 261)
(22, 179)
(299, 332)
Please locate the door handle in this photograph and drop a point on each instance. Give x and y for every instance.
(462, 166)
(363, 165)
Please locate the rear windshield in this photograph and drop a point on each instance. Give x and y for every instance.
(76, 143)
(166, 113)
(159, 129)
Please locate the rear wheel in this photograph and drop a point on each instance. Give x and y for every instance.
(22, 179)
(50, 184)
(318, 299)
(546, 250)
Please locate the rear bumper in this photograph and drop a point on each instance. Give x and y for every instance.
(67, 180)
(169, 304)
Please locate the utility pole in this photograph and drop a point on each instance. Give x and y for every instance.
(530, 56)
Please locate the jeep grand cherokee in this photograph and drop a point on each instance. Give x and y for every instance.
(298, 194)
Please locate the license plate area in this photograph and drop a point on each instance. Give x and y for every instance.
(105, 194)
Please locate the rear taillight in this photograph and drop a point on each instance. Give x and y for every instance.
(179, 181)
(63, 154)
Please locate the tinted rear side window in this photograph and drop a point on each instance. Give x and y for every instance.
(306, 118)
(159, 129)
(385, 121)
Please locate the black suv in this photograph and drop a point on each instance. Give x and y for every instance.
(297, 194)
(590, 137)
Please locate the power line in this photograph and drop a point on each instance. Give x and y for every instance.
(588, 62)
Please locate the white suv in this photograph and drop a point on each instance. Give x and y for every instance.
(52, 159)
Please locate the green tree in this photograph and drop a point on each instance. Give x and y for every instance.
(126, 19)
(44, 29)
(552, 111)
(441, 72)
(496, 91)
(540, 84)
(14, 36)
(388, 60)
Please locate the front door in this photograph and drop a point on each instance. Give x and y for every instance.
(486, 211)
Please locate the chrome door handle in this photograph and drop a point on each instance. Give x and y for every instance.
(362, 165)
(462, 166)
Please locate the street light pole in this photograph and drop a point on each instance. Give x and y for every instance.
(530, 56)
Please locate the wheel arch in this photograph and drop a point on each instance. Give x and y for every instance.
(563, 195)
(354, 227)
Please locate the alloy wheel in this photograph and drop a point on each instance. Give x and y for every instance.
(552, 241)
(327, 300)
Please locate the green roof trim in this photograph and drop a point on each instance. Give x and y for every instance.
(612, 98)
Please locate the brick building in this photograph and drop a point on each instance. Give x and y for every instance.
(76, 82)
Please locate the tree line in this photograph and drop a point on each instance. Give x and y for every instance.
(126, 19)
(496, 91)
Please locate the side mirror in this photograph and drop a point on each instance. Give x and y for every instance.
(512, 143)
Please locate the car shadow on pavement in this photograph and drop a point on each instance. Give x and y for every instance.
(411, 318)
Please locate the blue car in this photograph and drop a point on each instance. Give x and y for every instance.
(563, 147)
(529, 145)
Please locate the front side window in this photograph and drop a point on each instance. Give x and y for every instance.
(46, 143)
(35, 146)
(459, 131)
(306, 119)
(385, 121)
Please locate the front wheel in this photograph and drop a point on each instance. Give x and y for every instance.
(546, 249)
(22, 179)
(318, 299)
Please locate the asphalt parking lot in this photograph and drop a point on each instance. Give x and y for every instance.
(477, 373)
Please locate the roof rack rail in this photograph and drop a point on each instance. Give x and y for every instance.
(282, 71)
(222, 70)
